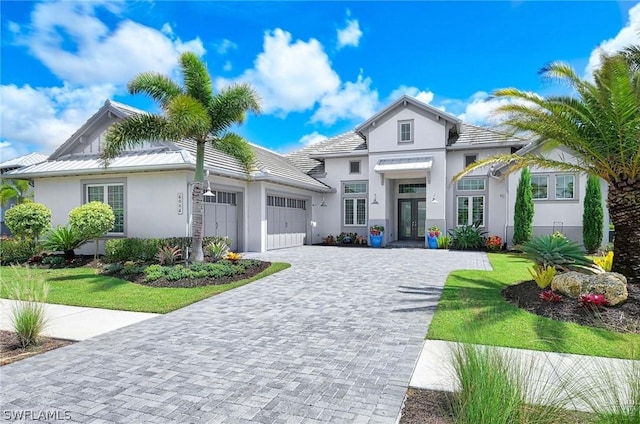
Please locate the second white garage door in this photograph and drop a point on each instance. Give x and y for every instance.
(286, 222)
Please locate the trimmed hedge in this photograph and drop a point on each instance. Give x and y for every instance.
(14, 251)
(145, 249)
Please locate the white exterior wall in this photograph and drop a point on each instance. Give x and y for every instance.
(329, 218)
(256, 217)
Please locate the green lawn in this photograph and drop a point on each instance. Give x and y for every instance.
(472, 310)
(84, 287)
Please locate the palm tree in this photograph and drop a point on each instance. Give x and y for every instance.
(601, 126)
(17, 189)
(192, 112)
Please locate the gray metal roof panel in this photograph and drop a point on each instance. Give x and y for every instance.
(25, 160)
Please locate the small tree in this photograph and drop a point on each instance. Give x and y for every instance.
(523, 215)
(92, 221)
(28, 220)
(20, 190)
(593, 216)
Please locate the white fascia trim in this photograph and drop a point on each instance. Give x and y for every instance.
(120, 170)
(290, 183)
(490, 145)
(361, 153)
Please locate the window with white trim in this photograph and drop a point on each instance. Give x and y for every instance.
(405, 131)
(111, 194)
(355, 212)
(354, 167)
(540, 186)
(565, 184)
(471, 184)
(470, 210)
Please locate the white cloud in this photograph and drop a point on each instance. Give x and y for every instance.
(101, 55)
(415, 92)
(225, 45)
(312, 138)
(289, 76)
(349, 35)
(43, 118)
(480, 108)
(14, 27)
(166, 29)
(227, 66)
(629, 34)
(352, 100)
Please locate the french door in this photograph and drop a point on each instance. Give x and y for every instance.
(412, 217)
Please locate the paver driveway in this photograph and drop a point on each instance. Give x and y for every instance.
(334, 338)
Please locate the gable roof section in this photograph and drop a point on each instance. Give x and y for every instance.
(118, 110)
(405, 100)
(474, 136)
(345, 144)
(22, 161)
(274, 166)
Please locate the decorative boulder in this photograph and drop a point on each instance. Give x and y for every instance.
(611, 284)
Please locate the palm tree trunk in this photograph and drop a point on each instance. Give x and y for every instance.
(197, 215)
(624, 210)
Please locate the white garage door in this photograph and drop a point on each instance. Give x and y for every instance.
(221, 216)
(286, 222)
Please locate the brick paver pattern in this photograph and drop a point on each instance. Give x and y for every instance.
(333, 339)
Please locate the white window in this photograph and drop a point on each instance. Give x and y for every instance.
(471, 184)
(405, 131)
(470, 210)
(469, 159)
(352, 188)
(355, 212)
(565, 186)
(113, 195)
(540, 186)
(354, 167)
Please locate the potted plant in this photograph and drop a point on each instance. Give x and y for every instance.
(376, 232)
(432, 237)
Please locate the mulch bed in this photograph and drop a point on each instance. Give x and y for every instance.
(197, 282)
(620, 318)
(11, 351)
(427, 407)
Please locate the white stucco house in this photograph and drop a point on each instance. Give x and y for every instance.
(394, 169)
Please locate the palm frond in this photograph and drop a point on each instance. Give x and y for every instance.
(230, 105)
(134, 131)
(236, 146)
(188, 117)
(157, 86)
(196, 78)
(515, 162)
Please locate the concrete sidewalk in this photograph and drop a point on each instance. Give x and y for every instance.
(76, 323)
(550, 374)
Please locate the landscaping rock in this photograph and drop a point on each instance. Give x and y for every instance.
(611, 284)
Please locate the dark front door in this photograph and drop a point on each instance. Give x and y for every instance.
(412, 216)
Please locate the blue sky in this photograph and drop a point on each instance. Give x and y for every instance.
(320, 67)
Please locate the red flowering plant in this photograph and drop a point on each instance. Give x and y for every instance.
(592, 301)
(434, 232)
(550, 296)
(494, 243)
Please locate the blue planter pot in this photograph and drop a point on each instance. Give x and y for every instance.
(375, 241)
(432, 242)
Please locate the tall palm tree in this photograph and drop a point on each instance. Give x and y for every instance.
(601, 126)
(192, 112)
(17, 189)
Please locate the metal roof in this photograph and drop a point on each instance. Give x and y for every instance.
(88, 164)
(25, 160)
(419, 163)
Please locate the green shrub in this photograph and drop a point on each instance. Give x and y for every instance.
(63, 239)
(444, 242)
(168, 255)
(593, 216)
(53, 261)
(14, 251)
(145, 249)
(559, 252)
(113, 268)
(28, 316)
(217, 250)
(92, 221)
(468, 237)
(523, 215)
(28, 220)
(542, 276)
